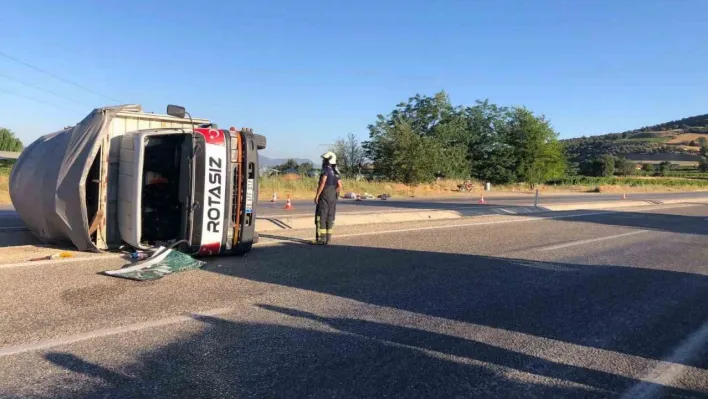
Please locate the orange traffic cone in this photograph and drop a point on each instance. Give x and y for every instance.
(481, 199)
(288, 205)
(275, 197)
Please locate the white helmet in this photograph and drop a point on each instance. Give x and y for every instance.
(331, 157)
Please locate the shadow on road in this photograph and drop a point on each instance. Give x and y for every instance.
(628, 310)
(671, 223)
(235, 360)
(580, 304)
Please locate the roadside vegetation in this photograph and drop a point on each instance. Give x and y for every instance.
(304, 188)
(427, 146)
(5, 169)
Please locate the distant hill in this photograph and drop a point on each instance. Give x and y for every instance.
(264, 161)
(668, 141)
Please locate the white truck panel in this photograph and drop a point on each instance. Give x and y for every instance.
(121, 216)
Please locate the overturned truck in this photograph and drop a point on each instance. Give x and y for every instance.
(124, 176)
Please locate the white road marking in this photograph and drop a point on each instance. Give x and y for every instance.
(522, 208)
(65, 260)
(50, 343)
(399, 210)
(666, 372)
(590, 240)
(541, 349)
(545, 349)
(447, 226)
(452, 226)
(520, 220)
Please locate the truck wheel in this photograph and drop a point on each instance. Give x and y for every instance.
(260, 141)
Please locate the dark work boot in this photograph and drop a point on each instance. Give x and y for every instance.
(320, 238)
(328, 238)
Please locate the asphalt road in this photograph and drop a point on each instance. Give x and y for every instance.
(573, 304)
(464, 201)
(10, 218)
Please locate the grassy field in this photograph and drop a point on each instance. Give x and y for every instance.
(686, 138)
(4, 190)
(652, 135)
(645, 139)
(298, 188)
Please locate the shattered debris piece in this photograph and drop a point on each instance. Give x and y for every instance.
(162, 262)
(59, 255)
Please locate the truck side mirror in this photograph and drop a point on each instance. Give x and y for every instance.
(176, 111)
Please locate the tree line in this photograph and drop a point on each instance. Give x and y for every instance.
(428, 137)
(9, 142)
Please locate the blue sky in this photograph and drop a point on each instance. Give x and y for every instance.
(306, 72)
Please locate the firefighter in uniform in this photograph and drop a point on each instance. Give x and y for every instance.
(328, 190)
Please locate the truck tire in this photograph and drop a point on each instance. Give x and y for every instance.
(260, 141)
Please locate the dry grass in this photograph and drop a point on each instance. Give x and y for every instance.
(657, 162)
(304, 188)
(690, 148)
(686, 138)
(4, 190)
(298, 188)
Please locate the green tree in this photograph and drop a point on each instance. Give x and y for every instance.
(435, 122)
(486, 141)
(350, 154)
(704, 146)
(305, 168)
(665, 168)
(8, 141)
(624, 167)
(413, 157)
(604, 166)
(647, 167)
(538, 155)
(703, 165)
(491, 156)
(289, 164)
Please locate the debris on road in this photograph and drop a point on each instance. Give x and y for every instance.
(59, 255)
(164, 261)
(138, 255)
